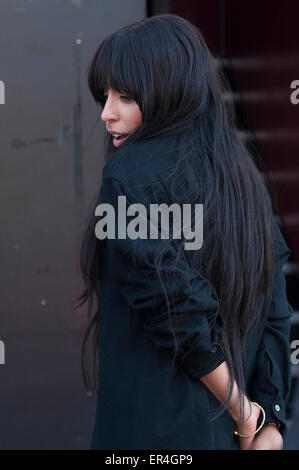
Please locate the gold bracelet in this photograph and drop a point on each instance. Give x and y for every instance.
(236, 433)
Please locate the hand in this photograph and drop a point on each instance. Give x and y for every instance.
(269, 438)
(248, 426)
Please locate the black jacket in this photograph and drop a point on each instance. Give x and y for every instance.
(141, 403)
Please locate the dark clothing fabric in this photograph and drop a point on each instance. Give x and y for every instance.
(142, 404)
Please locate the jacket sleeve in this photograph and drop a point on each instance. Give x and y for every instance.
(271, 381)
(198, 321)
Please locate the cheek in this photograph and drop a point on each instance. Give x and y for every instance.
(136, 116)
(139, 117)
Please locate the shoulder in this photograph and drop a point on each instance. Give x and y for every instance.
(282, 250)
(142, 162)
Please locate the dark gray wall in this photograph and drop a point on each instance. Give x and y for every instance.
(50, 168)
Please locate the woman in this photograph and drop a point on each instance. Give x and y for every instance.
(193, 344)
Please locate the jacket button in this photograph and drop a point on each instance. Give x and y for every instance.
(214, 349)
(277, 407)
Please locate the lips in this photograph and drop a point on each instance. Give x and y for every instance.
(118, 137)
(114, 132)
(118, 141)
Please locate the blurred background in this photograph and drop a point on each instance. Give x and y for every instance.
(51, 142)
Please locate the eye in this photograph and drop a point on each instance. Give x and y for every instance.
(122, 97)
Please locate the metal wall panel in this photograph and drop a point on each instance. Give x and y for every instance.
(50, 167)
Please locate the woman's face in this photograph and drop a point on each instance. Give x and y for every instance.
(123, 114)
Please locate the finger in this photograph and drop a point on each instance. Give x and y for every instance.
(267, 440)
(265, 444)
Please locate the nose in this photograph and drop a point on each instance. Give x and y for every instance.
(109, 112)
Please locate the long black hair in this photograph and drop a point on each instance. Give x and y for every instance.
(164, 64)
